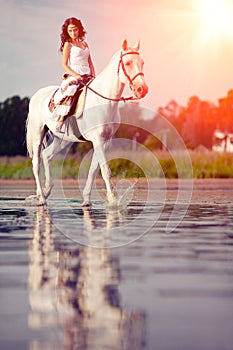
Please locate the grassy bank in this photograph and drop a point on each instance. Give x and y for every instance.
(129, 164)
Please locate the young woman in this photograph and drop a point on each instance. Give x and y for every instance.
(77, 63)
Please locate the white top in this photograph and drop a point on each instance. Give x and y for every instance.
(79, 60)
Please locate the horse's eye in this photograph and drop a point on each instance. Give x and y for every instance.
(128, 63)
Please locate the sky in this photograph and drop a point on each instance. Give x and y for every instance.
(187, 45)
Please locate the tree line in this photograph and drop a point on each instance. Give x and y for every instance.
(195, 122)
(13, 115)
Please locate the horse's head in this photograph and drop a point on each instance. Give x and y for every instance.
(130, 69)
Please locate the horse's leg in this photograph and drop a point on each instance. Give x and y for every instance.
(98, 158)
(106, 175)
(48, 153)
(36, 148)
(89, 182)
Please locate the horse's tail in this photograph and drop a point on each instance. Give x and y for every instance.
(29, 137)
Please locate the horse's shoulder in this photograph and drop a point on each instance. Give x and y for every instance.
(43, 94)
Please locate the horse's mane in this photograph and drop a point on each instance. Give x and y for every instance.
(115, 57)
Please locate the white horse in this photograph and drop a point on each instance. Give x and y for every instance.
(97, 124)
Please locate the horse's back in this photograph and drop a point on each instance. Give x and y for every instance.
(41, 96)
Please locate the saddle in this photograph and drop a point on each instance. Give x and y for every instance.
(78, 100)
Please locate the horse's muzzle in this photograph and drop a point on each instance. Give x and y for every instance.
(140, 90)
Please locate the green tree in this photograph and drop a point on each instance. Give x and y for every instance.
(132, 126)
(13, 115)
(199, 123)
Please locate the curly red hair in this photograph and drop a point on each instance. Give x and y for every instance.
(64, 34)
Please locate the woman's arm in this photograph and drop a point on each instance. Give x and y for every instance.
(91, 65)
(65, 61)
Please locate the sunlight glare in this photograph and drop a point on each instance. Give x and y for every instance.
(217, 16)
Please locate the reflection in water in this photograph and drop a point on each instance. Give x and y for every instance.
(97, 225)
(103, 227)
(73, 290)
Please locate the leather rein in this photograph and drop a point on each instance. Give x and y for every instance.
(130, 80)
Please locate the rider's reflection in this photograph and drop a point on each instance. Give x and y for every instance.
(73, 293)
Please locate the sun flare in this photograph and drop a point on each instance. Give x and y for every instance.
(217, 17)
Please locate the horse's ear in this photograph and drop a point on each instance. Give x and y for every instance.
(137, 45)
(124, 45)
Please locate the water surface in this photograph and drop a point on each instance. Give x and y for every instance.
(115, 279)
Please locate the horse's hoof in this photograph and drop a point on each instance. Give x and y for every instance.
(34, 200)
(86, 204)
(41, 204)
(31, 200)
(32, 197)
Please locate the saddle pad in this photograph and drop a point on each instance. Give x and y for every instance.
(52, 104)
(77, 104)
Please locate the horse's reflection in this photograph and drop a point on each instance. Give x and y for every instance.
(98, 226)
(73, 293)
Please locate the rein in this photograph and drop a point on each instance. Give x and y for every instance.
(124, 99)
(121, 63)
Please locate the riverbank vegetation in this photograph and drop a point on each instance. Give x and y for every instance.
(206, 164)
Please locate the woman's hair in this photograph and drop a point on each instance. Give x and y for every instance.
(64, 34)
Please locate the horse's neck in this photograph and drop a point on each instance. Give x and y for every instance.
(108, 79)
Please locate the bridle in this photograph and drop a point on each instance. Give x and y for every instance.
(121, 64)
(130, 80)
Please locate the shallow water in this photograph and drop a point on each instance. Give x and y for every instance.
(115, 279)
